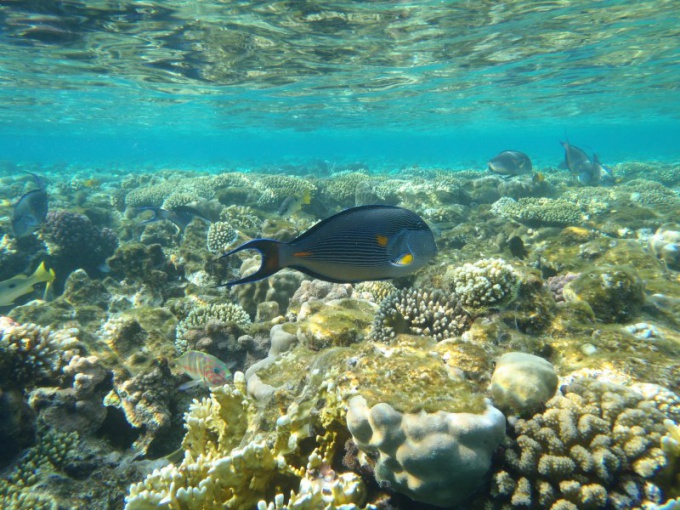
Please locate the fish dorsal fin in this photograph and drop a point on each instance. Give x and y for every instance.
(337, 216)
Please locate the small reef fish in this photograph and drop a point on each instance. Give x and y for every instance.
(203, 368)
(370, 242)
(510, 163)
(294, 203)
(517, 248)
(30, 211)
(181, 216)
(575, 159)
(20, 285)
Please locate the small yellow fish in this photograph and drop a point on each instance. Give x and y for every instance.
(20, 285)
(91, 183)
(538, 177)
(294, 203)
(204, 369)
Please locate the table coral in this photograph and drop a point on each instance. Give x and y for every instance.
(596, 445)
(539, 211)
(415, 311)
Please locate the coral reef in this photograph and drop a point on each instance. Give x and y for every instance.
(419, 312)
(539, 211)
(596, 445)
(488, 283)
(615, 294)
(75, 242)
(438, 458)
(521, 383)
(220, 236)
(199, 317)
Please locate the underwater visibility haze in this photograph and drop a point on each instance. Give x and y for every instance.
(363, 255)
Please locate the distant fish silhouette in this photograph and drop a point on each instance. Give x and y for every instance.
(370, 242)
(181, 216)
(575, 159)
(31, 210)
(510, 163)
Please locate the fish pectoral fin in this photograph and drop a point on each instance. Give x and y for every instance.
(190, 384)
(404, 259)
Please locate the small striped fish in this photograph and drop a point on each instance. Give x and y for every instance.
(204, 369)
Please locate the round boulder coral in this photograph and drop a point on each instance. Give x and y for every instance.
(435, 458)
(615, 294)
(522, 383)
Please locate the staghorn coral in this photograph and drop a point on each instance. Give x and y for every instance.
(343, 186)
(155, 195)
(436, 458)
(414, 311)
(595, 446)
(488, 283)
(651, 193)
(220, 236)
(200, 316)
(539, 211)
(241, 217)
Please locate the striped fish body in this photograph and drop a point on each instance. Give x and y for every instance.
(372, 242)
(203, 368)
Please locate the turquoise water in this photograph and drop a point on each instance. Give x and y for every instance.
(198, 83)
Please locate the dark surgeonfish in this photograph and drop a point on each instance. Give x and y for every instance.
(510, 163)
(30, 211)
(575, 159)
(601, 174)
(370, 242)
(181, 216)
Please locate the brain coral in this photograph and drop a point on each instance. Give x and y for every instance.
(539, 211)
(595, 446)
(488, 283)
(415, 311)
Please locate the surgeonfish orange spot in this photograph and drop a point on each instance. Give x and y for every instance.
(382, 240)
(302, 253)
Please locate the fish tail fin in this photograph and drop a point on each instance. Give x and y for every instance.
(42, 274)
(48, 294)
(271, 254)
(307, 197)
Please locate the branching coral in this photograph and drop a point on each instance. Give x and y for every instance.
(415, 311)
(595, 446)
(220, 236)
(488, 283)
(199, 317)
